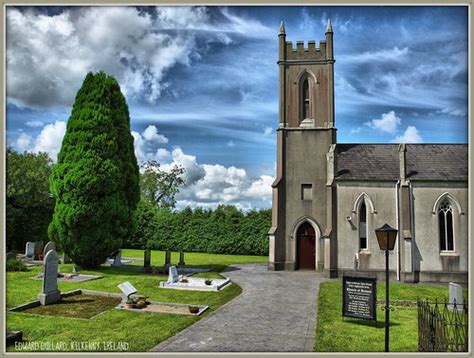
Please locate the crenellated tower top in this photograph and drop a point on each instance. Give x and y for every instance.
(306, 81)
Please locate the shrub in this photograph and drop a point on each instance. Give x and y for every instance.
(224, 230)
(16, 265)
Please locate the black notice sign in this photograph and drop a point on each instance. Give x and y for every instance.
(359, 297)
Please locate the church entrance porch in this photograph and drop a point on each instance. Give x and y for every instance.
(305, 247)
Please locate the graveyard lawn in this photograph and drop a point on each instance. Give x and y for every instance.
(140, 331)
(337, 334)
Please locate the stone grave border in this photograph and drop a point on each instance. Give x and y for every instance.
(37, 303)
(225, 282)
(62, 279)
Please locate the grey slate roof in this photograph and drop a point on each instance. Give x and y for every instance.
(438, 162)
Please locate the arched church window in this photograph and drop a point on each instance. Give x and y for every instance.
(306, 99)
(445, 226)
(363, 226)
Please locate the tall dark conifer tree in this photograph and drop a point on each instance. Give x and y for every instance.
(96, 179)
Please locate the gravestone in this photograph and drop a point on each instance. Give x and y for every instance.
(147, 259)
(38, 248)
(66, 259)
(49, 246)
(455, 297)
(117, 258)
(173, 275)
(10, 256)
(30, 249)
(49, 292)
(167, 258)
(181, 259)
(127, 290)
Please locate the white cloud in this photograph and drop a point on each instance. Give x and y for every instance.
(457, 112)
(50, 139)
(208, 185)
(34, 124)
(267, 131)
(146, 143)
(411, 135)
(163, 154)
(393, 55)
(388, 123)
(23, 142)
(48, 56)
(261, 187)
(231, 144)
(151, 134)
(356, 130)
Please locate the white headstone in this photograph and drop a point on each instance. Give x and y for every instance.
(49, 291)
(173, 275)
(455, 296)
(127, 290)
(49, 246)
(30, 249)
(118, 259)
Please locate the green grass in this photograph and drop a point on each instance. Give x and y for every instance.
(337, 334)
(141, 331)
(77, 306)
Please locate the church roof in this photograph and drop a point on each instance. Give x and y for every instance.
(437, 162)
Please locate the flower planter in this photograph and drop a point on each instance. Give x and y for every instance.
(193, 309)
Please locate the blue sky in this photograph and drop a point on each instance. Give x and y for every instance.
(202, 82)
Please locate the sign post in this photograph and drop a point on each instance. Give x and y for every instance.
(359, 297)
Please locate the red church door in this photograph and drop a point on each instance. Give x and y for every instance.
(306, 247)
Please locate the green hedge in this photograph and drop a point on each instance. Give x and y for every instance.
(224, 230)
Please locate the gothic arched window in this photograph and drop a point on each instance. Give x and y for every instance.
(445, 226)
(305, 99)
(363, 226)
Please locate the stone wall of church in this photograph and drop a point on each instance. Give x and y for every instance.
(427, 256)
(304, 165)
(380, 199)
(420, 256)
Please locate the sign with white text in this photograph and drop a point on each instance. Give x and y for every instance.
(359, 297)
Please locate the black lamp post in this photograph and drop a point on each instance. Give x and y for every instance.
(386, 236)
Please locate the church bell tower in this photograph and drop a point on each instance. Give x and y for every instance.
(302, 194)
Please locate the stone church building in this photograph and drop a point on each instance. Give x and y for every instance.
(329, 198)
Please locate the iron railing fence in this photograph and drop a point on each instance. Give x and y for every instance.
(442, 327)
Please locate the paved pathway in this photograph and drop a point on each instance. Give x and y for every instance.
(276, 312)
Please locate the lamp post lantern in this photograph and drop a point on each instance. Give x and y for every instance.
(386, 237)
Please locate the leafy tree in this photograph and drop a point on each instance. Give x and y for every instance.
(29, 204)
(147, 225)
(96, 179)
(159, 186)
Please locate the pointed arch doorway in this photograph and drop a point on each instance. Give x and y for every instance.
(305, 247)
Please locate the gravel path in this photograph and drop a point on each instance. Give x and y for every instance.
(276, 312)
